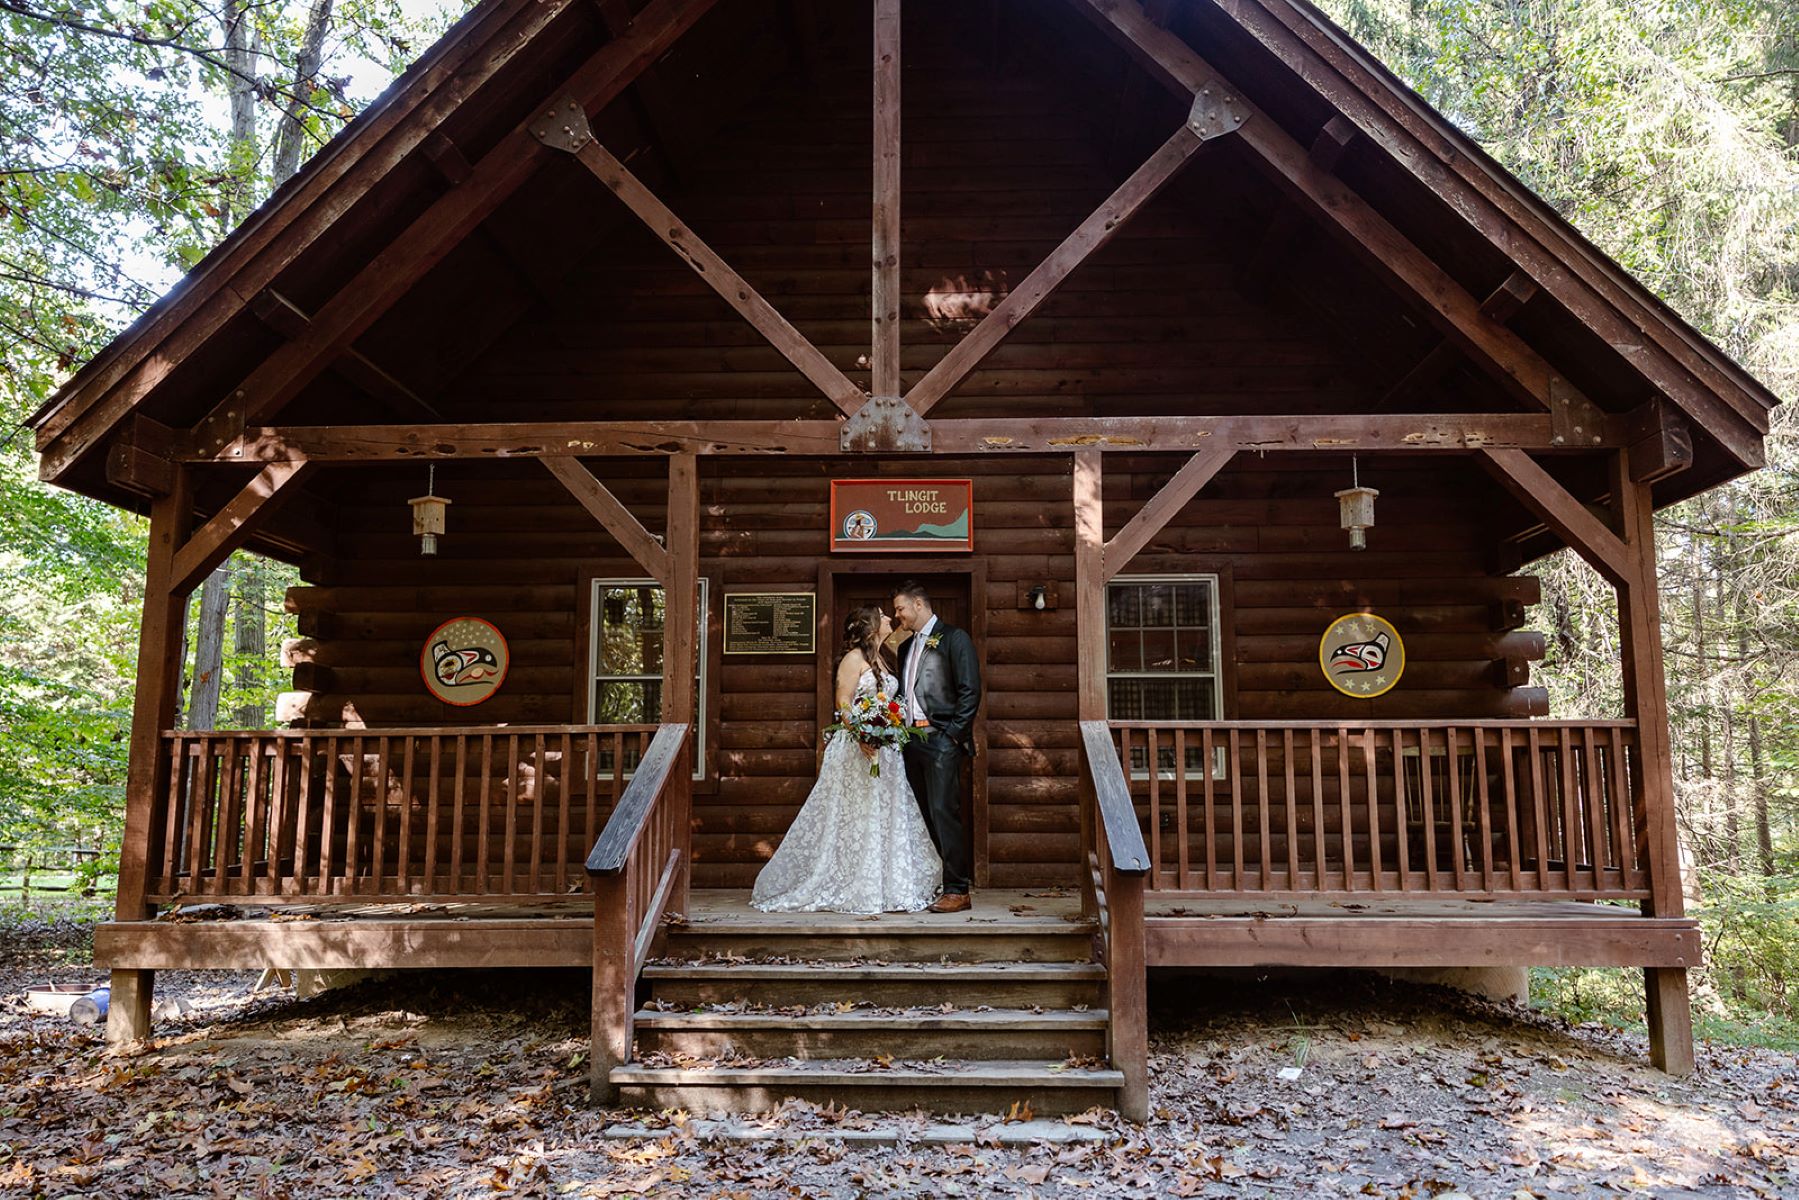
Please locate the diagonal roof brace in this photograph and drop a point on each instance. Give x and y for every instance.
(885, 423)
(1215, 112)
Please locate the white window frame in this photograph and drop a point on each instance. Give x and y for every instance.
(596, 588)
(1217, 652)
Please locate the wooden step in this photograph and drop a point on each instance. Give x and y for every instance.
(893, 937)
(1048, 1088)
(1008, 1033)
(1047, 985)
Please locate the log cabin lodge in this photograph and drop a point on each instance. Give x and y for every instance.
(1144, 295)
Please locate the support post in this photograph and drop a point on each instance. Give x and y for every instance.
(1090, 584)
(885, 356)
(614, 982)
(1669, 1010)
(158, 678)
(1127, 985)
(679, 663)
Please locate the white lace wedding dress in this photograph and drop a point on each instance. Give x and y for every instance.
(859, 843)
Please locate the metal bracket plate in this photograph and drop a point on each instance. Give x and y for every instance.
(1215, 112)
(885, 424)
(563, 126)
(1574, 420)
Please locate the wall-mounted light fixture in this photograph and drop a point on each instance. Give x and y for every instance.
(428, 514)
(1357, 504)
(1038, 597)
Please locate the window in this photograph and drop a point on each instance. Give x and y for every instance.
(625, 660)
(1162, 657)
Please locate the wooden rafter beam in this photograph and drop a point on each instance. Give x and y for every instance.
(1360, 432)
(1504, 303)
(884, 357)
(564, 127)
(1371, 237)
(286, 318)
(610, 512)
(1162, 507)
(373, 290)
(1543, 495)
(232, 525)
(1087, 239)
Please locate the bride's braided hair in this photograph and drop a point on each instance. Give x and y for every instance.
(862, 631)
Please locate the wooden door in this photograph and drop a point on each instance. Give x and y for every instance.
(950, 600)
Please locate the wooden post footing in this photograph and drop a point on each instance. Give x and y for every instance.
(1670, 1016)
(128, 1007)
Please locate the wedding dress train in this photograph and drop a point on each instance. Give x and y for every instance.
(859, 843)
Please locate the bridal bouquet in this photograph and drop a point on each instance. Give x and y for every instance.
(877, 721)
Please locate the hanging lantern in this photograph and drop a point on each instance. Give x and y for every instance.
(1357, 503)
(428, 515)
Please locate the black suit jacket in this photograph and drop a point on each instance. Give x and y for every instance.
(948, 684)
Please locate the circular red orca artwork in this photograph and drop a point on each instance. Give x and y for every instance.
(464, 661)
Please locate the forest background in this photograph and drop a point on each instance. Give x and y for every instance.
(134, 134)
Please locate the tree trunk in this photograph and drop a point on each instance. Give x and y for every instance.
(209, 651)
(250, 626)
(290, 137)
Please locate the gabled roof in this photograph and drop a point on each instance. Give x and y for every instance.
(442, 122)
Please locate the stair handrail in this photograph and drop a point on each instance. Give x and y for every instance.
(1114, 865)
(636, 868)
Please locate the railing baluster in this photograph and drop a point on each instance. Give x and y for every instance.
(353, 848)
(1427, 798)
(1265, 846)
(403, 860)
(1593, 780)
(458, 821)
(562, 827)
(1153, 755)
(225, 834)
(1209, 751)
(1571, 835)
(1375, 864)
(162, 881)
(539, 782)
(1402, 817)
(199, 817)
(433, 778)
(512, 773)
(1485, 800)
(1319, 854)
(1236, 769)
(378, 835)
(303, 819)
(1513, 833)
(328, 833)
(1183, 831)
(1292, 808)
(1452, 772)
(1539, 808)
(1346, 834)
(1620, 794)
(482, 851)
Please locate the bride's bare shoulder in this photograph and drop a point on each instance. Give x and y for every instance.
(852, 666)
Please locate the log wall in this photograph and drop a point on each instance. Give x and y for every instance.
(518, 548)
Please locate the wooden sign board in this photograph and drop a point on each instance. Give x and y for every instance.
(926, 516)
(771, 623)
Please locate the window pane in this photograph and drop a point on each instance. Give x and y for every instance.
(1194, 650)
(1125, 609)
(627, 702)
(1193, 604)
(1158, 650)
(631, 631)
(1124, 699)
(1126, 653)
(1158, 604)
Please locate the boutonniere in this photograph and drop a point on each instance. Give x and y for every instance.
(930, 643)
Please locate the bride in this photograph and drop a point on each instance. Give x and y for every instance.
(859, 844)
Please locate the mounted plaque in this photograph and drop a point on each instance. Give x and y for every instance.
(771, 623)
(926, 516)
(464, 661)
(1362, 655)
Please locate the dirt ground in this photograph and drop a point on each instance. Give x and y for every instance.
(472, 1084)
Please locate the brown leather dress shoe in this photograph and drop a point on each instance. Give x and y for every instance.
(951, 902)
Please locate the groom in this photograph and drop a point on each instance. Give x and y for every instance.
(940, 685)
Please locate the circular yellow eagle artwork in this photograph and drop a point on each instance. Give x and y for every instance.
(1362, 655)
(464, 661)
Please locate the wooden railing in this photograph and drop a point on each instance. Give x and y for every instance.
(640, 868)
(1115, 861)
(459, 812)
(1533, 809)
